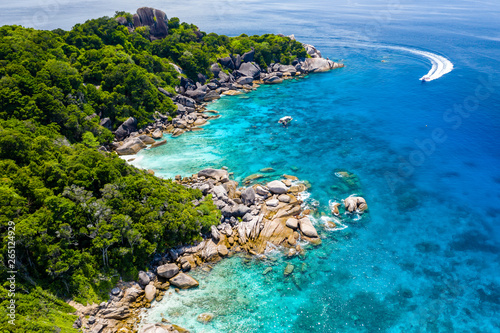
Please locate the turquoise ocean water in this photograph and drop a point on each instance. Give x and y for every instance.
(426, 258)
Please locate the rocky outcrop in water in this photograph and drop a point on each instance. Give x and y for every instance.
(255, 218)
(335, 208)
(307, 228)
(252, 217)
(316, 65)
(355, 204)
(183, 281)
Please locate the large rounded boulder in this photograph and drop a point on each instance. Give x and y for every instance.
(248, 56)
(150, 293)
(307, 227)
(167, 271)
(217, 174)
(250, 69)
(355, 204)
(155, 19)
(277, 187)
(127, 127)
(183, 281)
(226, 62)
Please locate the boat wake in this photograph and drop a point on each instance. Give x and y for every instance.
(440, 65)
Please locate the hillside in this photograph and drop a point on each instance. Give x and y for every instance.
(83, 217)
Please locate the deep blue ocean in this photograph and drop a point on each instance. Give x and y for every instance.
(426, 257)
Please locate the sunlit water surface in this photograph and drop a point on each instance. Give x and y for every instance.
(425, 258)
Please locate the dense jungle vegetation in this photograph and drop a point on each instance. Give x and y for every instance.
(84, 218)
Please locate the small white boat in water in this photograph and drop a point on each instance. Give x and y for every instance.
(285, 120)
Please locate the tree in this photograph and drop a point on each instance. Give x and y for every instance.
(83, 216)
(173, 23)
(89, 140)
(106, 236)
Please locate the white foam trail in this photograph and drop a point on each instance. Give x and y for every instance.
(440, 65)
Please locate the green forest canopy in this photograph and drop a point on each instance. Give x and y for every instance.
(84, 218)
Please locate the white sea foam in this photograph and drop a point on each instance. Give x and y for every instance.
(136, 159)
(338, 223)
(356, 217)
(271, 248)
(313, 220)
(440, 65)
(304, 196)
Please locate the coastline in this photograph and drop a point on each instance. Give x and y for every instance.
(193, 97)
(423, 258)
(255, 219)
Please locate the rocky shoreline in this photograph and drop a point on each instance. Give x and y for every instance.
(192, 97)
(255, 219)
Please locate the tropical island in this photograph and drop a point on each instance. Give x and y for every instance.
(86, 221)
